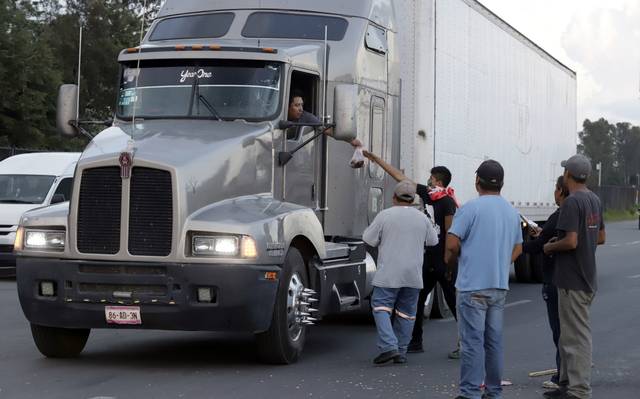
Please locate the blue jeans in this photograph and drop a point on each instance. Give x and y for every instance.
(480, 321)
(403, 303)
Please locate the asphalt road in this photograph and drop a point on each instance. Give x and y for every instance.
(337, 360)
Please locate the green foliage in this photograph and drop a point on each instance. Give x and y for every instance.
(612, 215)
(616, 147)
(39, 52)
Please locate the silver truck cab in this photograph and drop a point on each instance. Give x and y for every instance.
(192, 211)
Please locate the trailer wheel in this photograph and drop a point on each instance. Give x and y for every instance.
(283, 342)
(59, 342)
(537, 265)
(522, 268)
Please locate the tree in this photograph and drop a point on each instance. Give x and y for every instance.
(598, 143)
(39, 51)
(627, 142)
(27, 83)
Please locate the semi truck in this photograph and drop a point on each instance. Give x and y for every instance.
(202, 207)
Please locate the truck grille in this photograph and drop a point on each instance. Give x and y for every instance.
(109, 289)
(99, 211)
(120, 269)
(150, 212)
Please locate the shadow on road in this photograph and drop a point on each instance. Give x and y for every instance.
(189, 350)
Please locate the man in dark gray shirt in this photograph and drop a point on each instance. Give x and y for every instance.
(581, 230)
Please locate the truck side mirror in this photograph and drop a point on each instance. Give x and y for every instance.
(345, 112)
(66, 109)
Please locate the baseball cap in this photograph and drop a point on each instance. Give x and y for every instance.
(491, 172)
(578, 166)
(405, 190)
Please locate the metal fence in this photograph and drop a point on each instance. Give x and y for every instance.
(617, 198)
(6, 152)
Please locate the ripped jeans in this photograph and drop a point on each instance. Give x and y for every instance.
(480, 321)
(400, 303)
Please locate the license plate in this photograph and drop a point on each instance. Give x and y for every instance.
(123, 314)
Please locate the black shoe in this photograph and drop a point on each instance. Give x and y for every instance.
(400, 359)
(415, 347)
(556, 393)
(385, 357)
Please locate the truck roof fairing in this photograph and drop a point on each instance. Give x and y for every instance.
(378, 11)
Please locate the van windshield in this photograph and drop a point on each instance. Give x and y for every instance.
(200, 89)
(24, 189)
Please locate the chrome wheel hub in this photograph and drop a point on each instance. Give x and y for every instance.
(299, 307)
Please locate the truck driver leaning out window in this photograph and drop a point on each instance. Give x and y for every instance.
(297, 114)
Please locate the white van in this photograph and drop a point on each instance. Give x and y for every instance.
(29, 181)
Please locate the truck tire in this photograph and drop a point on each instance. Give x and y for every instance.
(59, 342)
(522, 268)
(537, 262)
(283, 342)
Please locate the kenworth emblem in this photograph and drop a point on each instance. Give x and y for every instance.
(125, 165)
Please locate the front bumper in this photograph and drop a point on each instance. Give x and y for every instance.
(166, 294)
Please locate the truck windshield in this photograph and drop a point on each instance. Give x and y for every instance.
(24, 189)
(217, 89)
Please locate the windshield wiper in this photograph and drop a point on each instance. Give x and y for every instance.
(195, 93)
(209, 107)
(14, 201)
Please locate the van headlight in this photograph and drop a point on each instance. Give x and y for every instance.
(223, 246)
(43, 240)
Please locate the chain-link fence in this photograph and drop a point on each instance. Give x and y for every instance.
(6, 152)
(617, 198)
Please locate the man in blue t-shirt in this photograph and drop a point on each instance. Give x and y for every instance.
(485, 238)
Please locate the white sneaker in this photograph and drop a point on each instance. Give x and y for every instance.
(550, 385)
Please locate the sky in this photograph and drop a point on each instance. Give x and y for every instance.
(598, 39)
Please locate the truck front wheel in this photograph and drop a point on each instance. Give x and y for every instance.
(283, 342)
(59, 342)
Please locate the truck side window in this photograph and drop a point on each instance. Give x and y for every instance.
(64, 188)
(307, 85)
(376, 40)
(376, 134)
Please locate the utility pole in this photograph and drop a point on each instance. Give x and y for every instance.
(599, 169)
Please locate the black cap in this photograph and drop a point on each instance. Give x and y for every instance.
(491, 172)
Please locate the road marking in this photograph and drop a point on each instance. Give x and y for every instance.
(624, 244)
(512, 304)
(636, 276)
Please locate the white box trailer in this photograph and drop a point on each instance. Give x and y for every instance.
(474, 88)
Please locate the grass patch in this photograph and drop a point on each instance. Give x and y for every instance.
(615, 215)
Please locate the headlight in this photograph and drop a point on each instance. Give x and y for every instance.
(224, 246)
(52, 240)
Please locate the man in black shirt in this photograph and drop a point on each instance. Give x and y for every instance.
(549, 289)
(580, 231)
(441, 197)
